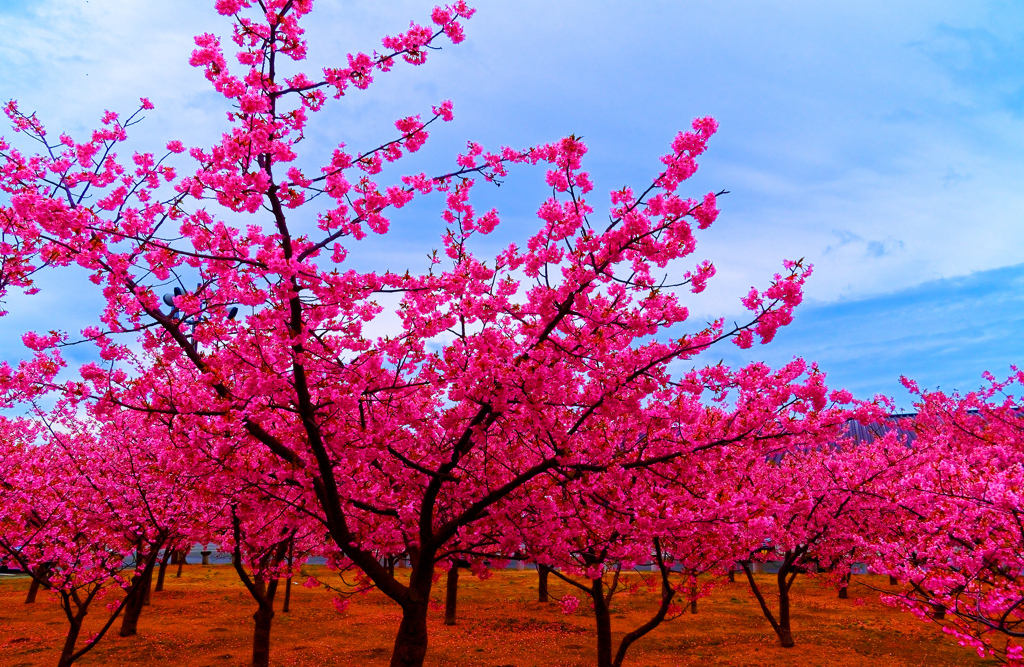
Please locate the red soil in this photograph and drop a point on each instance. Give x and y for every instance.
(204, 620)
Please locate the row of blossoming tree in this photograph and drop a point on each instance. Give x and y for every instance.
(515, 406)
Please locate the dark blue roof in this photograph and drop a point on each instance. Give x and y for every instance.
(866, 433)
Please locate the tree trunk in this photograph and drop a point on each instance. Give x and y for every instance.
(452, 595)
(137, 599)
(411, 641)
(261, 637)
(892, 580)
(75, 628)
(780, 625)
(147, 586)
(667, 593)
(264, 617)
(181, 564)
(288, 582)
(693, 605)
(33, 590)
(163, 570)
(785, 632)
(132, 611)
(542, 583)
(603, 619)
(938, 611)
(843, 593)
(732, 574)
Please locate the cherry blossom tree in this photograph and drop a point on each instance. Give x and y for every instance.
(74, 522)
(682, 490)
(589, 530)
(808, 506)
(958, 549)
(261, 536)
(500, 371)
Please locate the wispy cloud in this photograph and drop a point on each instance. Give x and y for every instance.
(943, 333)
(981, 62)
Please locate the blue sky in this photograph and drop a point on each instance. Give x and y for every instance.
(882, 141)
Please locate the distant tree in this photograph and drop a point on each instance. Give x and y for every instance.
(958, 547)
(80, 520)
(812, 506)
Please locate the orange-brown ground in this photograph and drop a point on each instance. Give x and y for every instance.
(204, 619)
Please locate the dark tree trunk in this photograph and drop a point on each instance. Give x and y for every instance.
(843, 592)
(452, 595)
(75, 608)
(938, 609)
(147, 586)
(288, 582)
(262, 591)
(411, 641)
(732, 574)
(786, 576)
(785, 630)
(261, 637)
(603, 619)
(132, 611)
(264, 594)
(667, 593)
(601, 596)
(163, 570)
(137, 598)
(542, 583)
(182, 561)
(67, 653)
(693, 605)
(264, 618)
(892, 580)
(33, 590)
